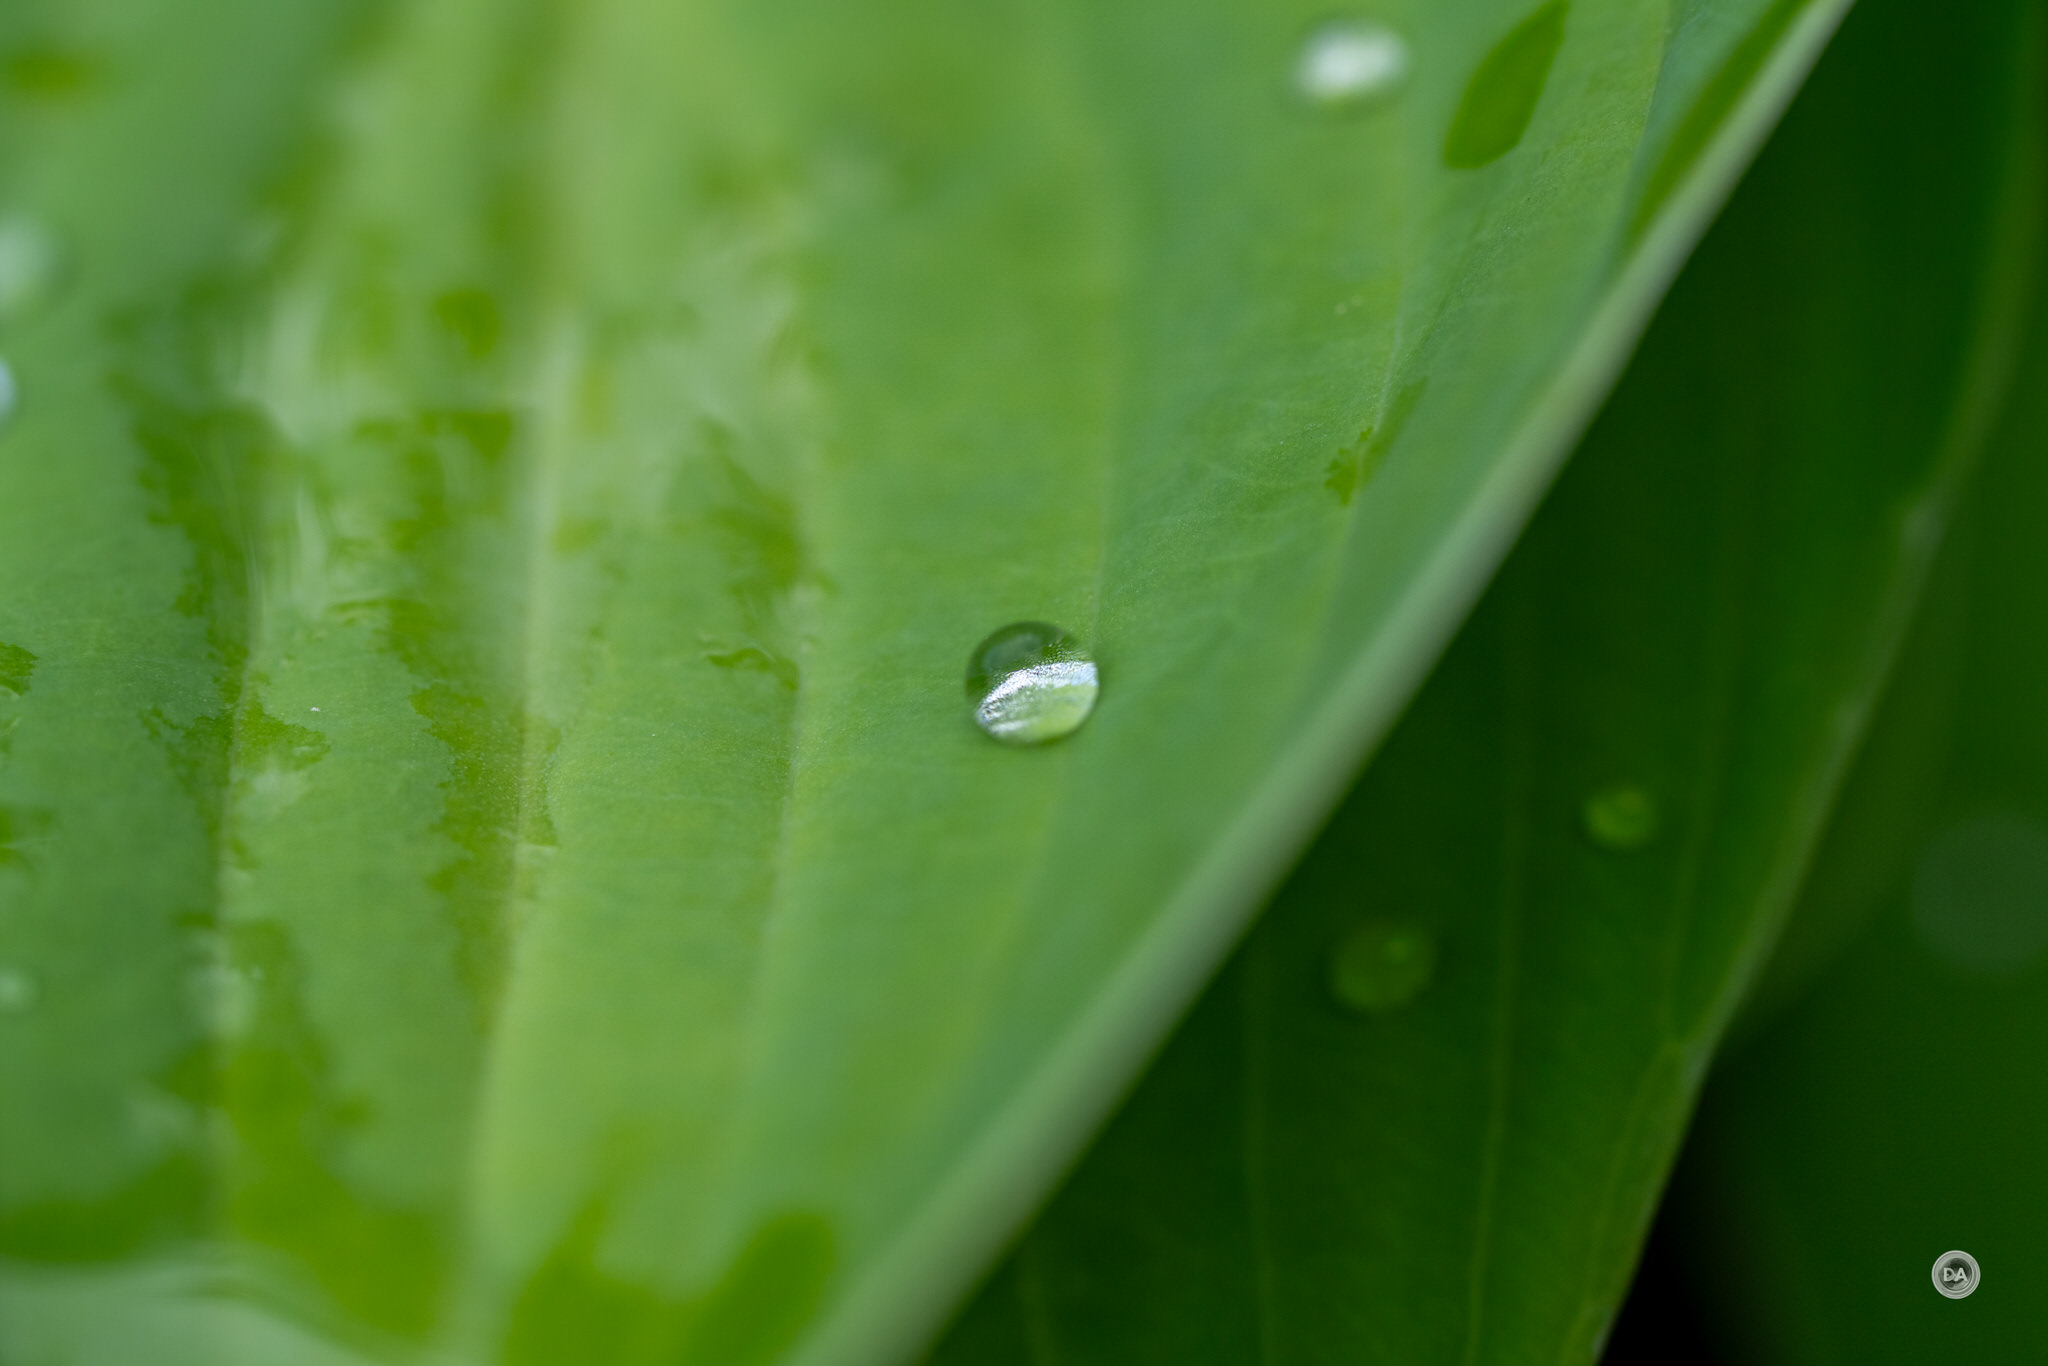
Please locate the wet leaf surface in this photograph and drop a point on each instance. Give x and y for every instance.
(1594, 816)
(501, 497)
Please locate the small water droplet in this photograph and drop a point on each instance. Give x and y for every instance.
(1382, 966)
(1621, 816)
(18, 991)
(10, 393)
(1030, 683)
(1347, 63)
(1980, 895)
(1920, 529)
(222, 991)
(1356, 463)
(30, 263)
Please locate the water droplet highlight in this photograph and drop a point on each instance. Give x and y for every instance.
(1980, 895)
(10, 393)
(1382, 966)
(1347, 63)
(30, 262)
(18, 991)
(1621, 816)
(1030, 683)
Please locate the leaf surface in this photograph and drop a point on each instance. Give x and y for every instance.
(1426, 1111)
(498, 509)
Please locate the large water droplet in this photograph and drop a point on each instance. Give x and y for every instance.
(1980, 895)
(1503, 93)
(1621, 816)
(1030, 683)
(1346, 63)
(1382, 966)
(17, 991)
(30, 262)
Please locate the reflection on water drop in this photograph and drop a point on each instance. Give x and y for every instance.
(1980, 895)
(29, 264)
(1382, 966)
(10, 394)
(1350, 62)
(1621, 816)
(17, 991)
(1030, 683)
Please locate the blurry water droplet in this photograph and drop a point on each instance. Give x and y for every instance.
(221, 991)
(17, 991)
(1382, 966)
(163, 1121)
(10, 394)
(1920, 529)
(1621, 816)
(1980, 895)
(1350, 62)
(1504, 90)
(30, 261)
(1030, 683)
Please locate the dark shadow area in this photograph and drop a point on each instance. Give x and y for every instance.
(1665, 1321)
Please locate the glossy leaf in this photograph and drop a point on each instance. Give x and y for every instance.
(1426, 1111)
(1897, 1109)
(502, 497)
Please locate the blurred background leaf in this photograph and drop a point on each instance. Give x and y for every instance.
(500, 497)
(1426, 1111)
(1888, 1103)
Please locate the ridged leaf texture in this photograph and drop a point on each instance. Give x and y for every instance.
(499, 502)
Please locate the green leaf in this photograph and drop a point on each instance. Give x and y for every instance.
(501, 499)
(1426, 1111)
(1897, 1110)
